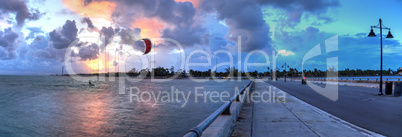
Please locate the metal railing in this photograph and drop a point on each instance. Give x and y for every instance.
(223, 110)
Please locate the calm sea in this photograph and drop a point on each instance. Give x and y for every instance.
(62, 106)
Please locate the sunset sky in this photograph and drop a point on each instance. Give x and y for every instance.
(35, 34)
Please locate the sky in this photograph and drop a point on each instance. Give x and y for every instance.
(38, 37)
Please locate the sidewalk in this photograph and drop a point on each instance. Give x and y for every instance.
(290, 116)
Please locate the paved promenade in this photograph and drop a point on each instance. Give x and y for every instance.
(285, 115)
(358, 105)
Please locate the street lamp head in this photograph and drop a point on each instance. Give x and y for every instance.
(371, 34)
(389, 35)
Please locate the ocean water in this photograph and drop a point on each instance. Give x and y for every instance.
(62, 106)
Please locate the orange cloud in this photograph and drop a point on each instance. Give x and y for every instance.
(94, 65)
(95, 9)
(196, 3)
(104, 63)
(149, 27)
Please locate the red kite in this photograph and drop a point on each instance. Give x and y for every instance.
(148, 45)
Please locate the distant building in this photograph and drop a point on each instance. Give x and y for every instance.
(399, 71)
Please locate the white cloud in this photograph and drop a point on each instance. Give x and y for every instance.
(393, 50)
(285, 53)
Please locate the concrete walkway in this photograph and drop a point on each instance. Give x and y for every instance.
(276, 113)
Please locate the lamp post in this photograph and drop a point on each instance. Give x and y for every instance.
(372, 34)
(285, 69)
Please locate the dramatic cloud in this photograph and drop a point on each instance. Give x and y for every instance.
(89, 52)
(7, 38)
(33, 32)
(295, 8)
(86, 2)
(196, 3)
(152, 27)
(20, 8)
(129, 36)
(91, 8)
(88, 22)
(187, 37)
(244, 19)
(299, 41)
(40, 43)
(161, 18)
(63, 37)
(179, 19)
(51, 53)
(305, 5)
(7, 43)
(108, 33)
(42, 50)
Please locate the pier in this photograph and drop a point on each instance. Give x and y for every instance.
(360, 106)
(290, 117)
(297, 110)
(222, 121)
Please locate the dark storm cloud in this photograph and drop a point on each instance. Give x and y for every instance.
(244, 19)
(35, 14)
(179, 15)
(44, 50)
(86, 2)
(88, 22)
(108, 33)
(305, 5)
(132, 38)
(20, 9)
(139, 45)
(166, 10)
(129, 36)
(62, 37)
(186, 36)
(51, 53)
(8, 39)
(89, 52)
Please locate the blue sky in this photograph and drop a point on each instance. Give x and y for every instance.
(35, 34)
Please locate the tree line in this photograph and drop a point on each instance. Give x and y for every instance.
(228, 72)
(293, 72)
(233, 72)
